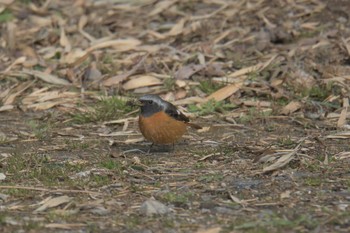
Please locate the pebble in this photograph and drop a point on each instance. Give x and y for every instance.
(152, 206)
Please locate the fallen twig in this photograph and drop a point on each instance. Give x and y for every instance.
(49, 190)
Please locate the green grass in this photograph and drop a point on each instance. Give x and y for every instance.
(3, 139)
(79, 145)
(32, 226)
(200, 165)
(132, 221)
(274, 223)
(111, 164)
(178, 199)
(169, 84)
(281, 101)
(107, 58)
(313, 181)
(34, 168)
(209, 86)
(254, 76)
(211, 178)
(105, 109)
(340, 219)
(20, 193)
(99, 180)
(321, 91)
(26, 1)
(252, 114)
(41, 130)
(210, 107)
(3, 217)
(53, 216)
(6, 16)
(285, 141)
(318, 92)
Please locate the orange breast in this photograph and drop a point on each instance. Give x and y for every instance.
(161, 128)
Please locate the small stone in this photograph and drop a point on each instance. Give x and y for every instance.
(145, 231)
(152, 206)
(100, 210)
(223, 210)
(342, 206)
(2, 176)
(208, 205)
(80, 175)
(3, 197)
(11, 221)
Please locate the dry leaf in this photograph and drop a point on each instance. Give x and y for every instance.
(119, 78)
(282, 161)
(342, 118)
(291, 107)
(17, 91)
(92, 74)
(39, 21)
(302, 80)
(189, 100)
(203, 129)
(120, 45)
(6, 108)
(53, 202)
(141, 81)
(134, 140)
(161, 6)
(7, 2)
(73, 56)
(225, 92)
(250, 69)
(46, 77)
(82, 23)
(64, 42)
(4, 93)
(341, 135)
(177, 28)
(254, 103)
(347, 45)
(285, 194)
(43, 99)
(46, 105)
(186, 72)
(65, 226)
(210, 230)
(18, 61)
(12, 39)
(343, 155)
(2, 176)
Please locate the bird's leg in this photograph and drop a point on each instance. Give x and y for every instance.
(149, 149)
(173, 146)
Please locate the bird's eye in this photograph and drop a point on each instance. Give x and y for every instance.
(150, 101)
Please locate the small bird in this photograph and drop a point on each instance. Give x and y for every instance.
(161, 122)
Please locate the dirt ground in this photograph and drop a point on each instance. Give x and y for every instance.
(274, 151)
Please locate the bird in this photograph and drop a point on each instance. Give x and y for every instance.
(160, 122)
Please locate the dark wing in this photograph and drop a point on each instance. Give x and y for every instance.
(172, 111)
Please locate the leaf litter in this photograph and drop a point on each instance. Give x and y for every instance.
(258, 76)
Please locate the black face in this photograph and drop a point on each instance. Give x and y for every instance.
(151, 104)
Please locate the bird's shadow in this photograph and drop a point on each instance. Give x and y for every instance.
(146, 149)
